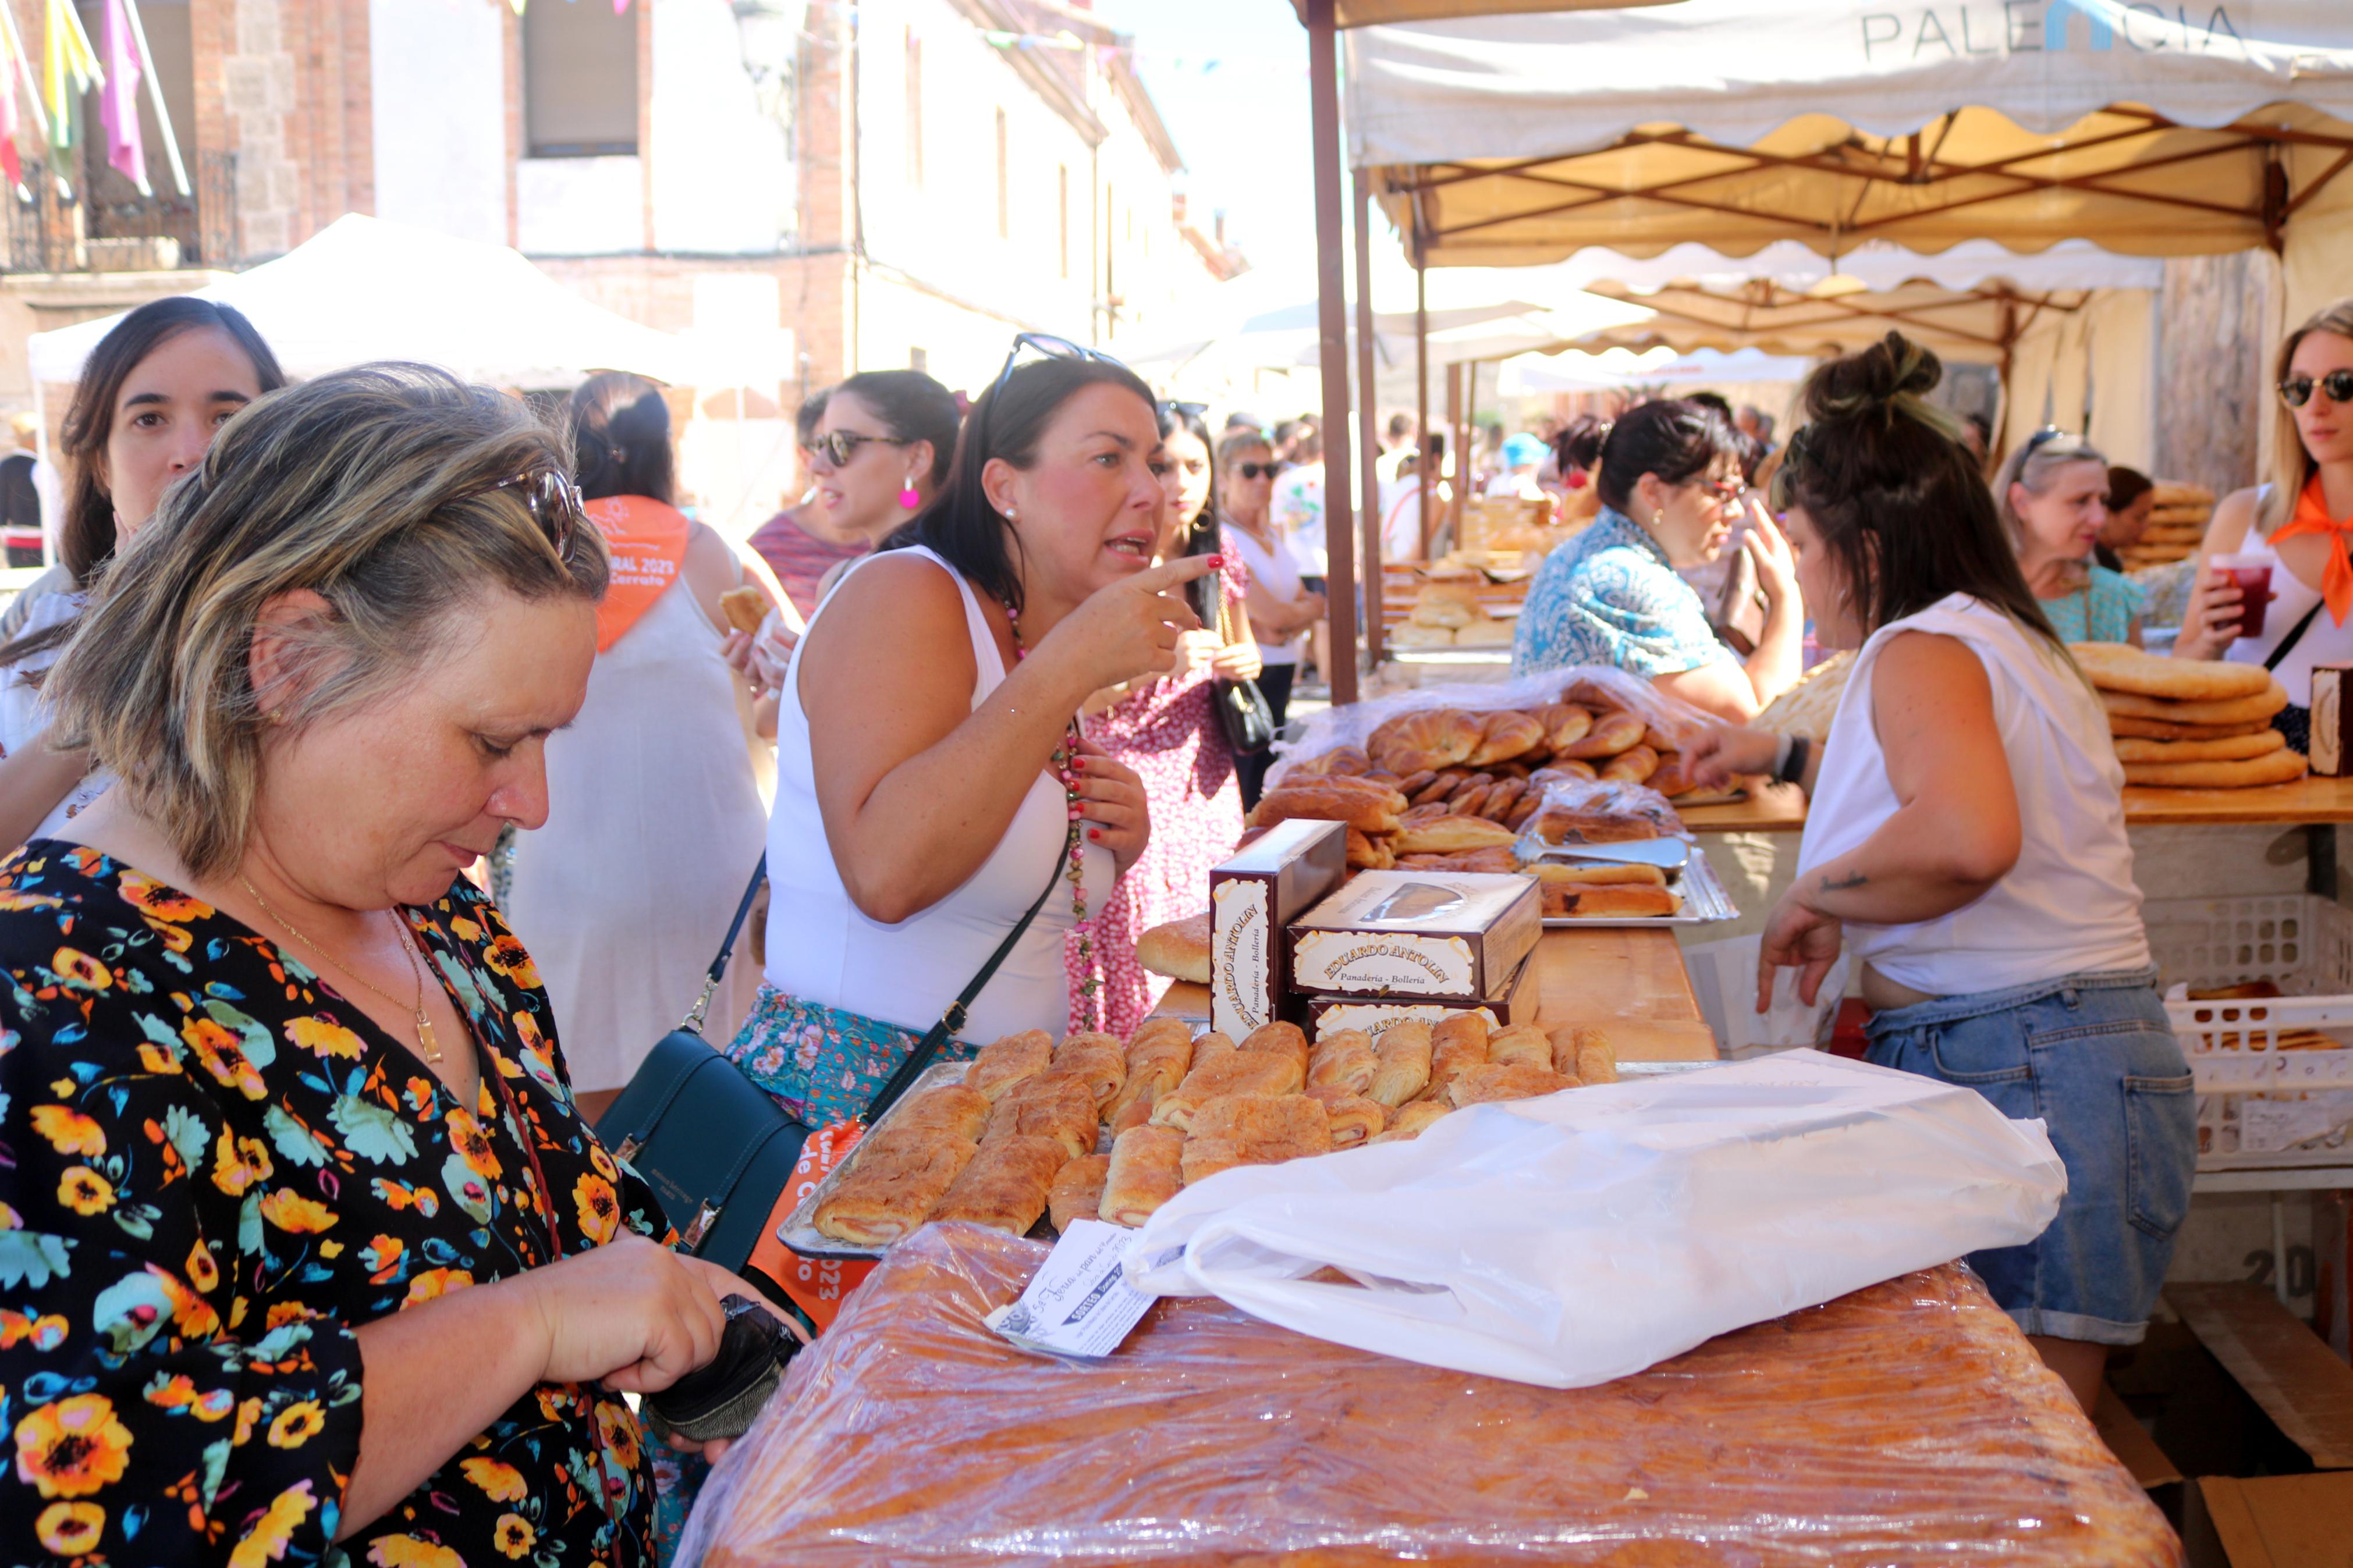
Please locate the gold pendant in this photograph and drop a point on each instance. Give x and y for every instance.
(424, 1037)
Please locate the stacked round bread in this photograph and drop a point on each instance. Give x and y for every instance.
(2184, 723)
(2176, 525)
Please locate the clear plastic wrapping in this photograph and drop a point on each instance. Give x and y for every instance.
(1909, 1423)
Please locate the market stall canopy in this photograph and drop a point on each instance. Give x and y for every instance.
(1366, 13)
(1623, 369)
(1736, 123)
(362, 288)
(1974, 324)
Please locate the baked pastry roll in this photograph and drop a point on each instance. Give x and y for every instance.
(895, 1178)
(1490, 862)
(1202, 1158)
(1618, 900)
(1005, 1186)
(998, 1066)
(1584, 1053)
(1288, 1040)
(1146, 1171)
(1368, 853)
(1612, 733)
(1132, 1111)
(1403, 1070)
(1564, 724)
(1503, 799)
(1523, 1043)
(949, 1107)
(1054, 1105)
(1343, 760)
(1077, 1192)
(1432, 738)
(1271, 1127)
(1504, 1081)
(1100, 1059)
(1452, 835)
(1597, 874)
(1239, 1072)
(1409, 1120)
(1157, 1056)
(1361, 803)
(1633, 764)
(1210, 1045)
(1343, 1060)
(1351, 1117)
(1504, 735)
(1455, 1043)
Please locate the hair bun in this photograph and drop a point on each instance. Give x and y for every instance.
(1893, 372)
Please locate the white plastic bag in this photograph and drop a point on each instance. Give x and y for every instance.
(1572, 1239)
(1723, 978)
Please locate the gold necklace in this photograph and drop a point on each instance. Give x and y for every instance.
(424, 1037)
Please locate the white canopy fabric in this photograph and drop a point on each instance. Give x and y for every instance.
(362, 288)
(1623, 369)
(1736, 123)
(1972, 264)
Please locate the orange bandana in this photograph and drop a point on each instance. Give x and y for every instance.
(2312, 517)
(647, 543)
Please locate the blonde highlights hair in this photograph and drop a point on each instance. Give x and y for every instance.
(2292, 466)
(2035, 464)
(382, 490)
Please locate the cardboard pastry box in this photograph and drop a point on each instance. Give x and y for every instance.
(1268, 883)
(1430, 935)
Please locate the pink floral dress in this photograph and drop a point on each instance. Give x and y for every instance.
(1168, 734)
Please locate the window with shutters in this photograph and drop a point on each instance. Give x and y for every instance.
(579, 80)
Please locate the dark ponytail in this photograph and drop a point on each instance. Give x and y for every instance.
(1895, 497)
(620, 439)
(1677, 438)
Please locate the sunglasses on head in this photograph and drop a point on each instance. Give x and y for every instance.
(1045, 343)
(2042, 439)
(554, 501)
(1252, 470)
(2296, 390)
(840, 446)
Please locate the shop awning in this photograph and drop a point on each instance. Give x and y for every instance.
(1736, 123)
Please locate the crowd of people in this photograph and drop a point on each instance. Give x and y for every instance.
(310, 1235)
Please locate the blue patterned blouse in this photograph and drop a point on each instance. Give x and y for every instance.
(2101, 611)
(1608, 597)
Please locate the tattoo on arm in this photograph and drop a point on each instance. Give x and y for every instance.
(1840, 884)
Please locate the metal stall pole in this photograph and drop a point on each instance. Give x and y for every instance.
(1367, 425)
(1332, 330)
(1421, 387)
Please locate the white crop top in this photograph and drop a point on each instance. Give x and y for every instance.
(2070, 905)
(822, 948)
(2324, 641)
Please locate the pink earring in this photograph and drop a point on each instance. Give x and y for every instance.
(909, 498)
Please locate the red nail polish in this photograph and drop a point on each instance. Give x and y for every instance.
(1078, 764)
(1217, 561)
(1095, 833)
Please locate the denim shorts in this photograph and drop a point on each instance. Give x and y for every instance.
(2093, 1056)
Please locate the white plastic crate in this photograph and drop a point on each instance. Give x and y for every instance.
(2259, 1106)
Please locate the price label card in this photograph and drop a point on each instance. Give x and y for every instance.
(1078, 1303)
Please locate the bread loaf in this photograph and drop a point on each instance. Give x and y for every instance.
(1005, 1186)
(2120, 667)
(1143, 1174)
(1608, 902)
(1179, 950)
(2271, 768)
(1452, 835)
(998, 1066)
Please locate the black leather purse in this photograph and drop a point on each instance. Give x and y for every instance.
(715, 1147)
(1242, 711)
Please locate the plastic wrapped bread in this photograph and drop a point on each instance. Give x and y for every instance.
(1909, 1423)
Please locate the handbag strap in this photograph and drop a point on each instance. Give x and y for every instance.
(952, 1021)
(2295, 634)
(718, 971)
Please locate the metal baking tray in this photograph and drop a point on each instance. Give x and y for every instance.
(1704, 901)
(799, 1230)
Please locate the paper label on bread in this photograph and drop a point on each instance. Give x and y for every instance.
(1240, 965)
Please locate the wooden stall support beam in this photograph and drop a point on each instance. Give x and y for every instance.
(1331, 332)
(1421, 387)
(2284, 1367)
(1369, 472)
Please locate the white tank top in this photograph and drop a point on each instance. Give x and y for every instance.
(1279, 573)
(2070, 905)
(2323, 642)
(822, 948)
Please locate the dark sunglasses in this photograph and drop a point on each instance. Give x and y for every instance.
(1252, 470)
(2296, 390)
(1185, 410)
(554, 501)
(840, 446)
(1045, 343)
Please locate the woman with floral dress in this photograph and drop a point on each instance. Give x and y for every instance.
(1164, 728)
(305, 1253)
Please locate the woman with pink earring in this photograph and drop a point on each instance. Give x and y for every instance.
(880, 453)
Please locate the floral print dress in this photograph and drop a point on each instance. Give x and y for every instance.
(213, 1169)
(1168, 734)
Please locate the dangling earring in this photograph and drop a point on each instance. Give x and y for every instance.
(1658, 518)
(909, 498)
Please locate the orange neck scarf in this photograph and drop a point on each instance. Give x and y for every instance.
(2312, 517)
(647, 543)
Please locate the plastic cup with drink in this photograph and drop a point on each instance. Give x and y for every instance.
(2251, 573)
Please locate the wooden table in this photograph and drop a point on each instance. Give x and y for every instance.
(1781, 808)
(1629, 982)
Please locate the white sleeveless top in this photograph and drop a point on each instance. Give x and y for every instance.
(2070, 905)
(2324, 641)
(653, 825)
(822, 948)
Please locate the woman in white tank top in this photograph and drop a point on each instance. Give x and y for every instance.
(929, 785)
(1966, 838)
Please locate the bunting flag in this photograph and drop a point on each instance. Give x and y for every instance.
(11, 164)
(68, 67)
(119, 105)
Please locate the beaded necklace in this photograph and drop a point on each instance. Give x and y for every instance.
(1073, 843)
